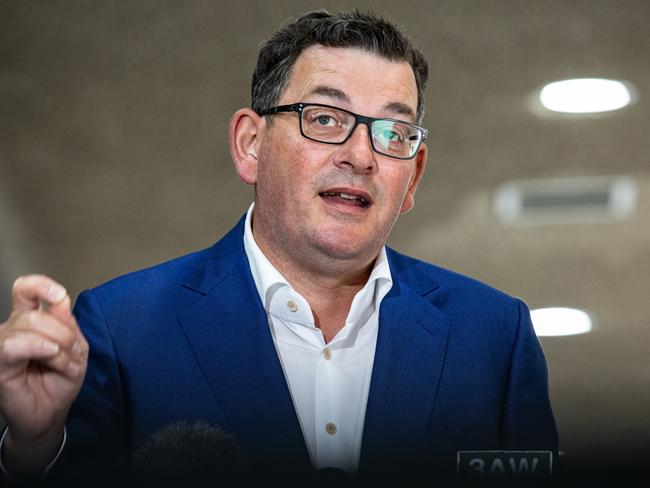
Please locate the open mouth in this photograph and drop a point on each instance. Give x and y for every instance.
(347, 197)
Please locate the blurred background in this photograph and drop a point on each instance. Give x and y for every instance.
(113, 157)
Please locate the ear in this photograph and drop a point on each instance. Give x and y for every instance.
(245, 134)
(420, 163)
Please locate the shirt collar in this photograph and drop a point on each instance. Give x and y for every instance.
(268, 280)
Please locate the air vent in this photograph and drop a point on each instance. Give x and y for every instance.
(565, 200)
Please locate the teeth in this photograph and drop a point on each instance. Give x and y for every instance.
(347, 196)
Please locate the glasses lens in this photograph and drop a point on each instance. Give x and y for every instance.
(395, 139)
(326, 124)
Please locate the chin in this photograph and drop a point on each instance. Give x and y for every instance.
(346, 248)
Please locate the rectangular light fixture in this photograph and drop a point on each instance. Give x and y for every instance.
(565, 200)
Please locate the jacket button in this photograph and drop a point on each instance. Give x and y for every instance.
(331, 428)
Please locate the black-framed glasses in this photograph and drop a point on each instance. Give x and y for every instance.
(334, 125)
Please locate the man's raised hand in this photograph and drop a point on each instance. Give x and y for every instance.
(43, 359)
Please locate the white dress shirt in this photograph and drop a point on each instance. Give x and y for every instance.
(329, 383)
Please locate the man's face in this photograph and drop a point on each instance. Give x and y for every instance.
(299, 208)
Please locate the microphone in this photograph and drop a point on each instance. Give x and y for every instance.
(193, 454)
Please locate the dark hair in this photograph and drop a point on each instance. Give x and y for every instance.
(343, 29)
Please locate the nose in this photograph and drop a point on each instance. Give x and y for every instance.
(357, 153)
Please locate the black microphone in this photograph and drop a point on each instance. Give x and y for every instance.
(192, 454)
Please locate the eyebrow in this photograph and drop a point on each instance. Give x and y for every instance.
(400, 108)
(330, 92)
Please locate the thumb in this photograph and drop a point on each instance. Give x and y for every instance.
(62, 310)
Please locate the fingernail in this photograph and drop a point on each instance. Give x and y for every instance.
(56, 293)
(51, 347)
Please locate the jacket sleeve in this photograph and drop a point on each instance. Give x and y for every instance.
(527, 421)
(97, 440)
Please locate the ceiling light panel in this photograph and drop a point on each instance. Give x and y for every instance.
(586, 95)
(560, 321)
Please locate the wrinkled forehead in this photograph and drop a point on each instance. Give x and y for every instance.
(355, 79)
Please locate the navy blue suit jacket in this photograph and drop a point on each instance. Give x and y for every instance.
(457, 365)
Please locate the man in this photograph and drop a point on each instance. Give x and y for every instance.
(298, 332)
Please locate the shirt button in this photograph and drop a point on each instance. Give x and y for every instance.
(327, 354)
(293, 306)
(331, 428)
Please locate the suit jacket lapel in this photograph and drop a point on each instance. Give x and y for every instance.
(229, 334)
(408, 363)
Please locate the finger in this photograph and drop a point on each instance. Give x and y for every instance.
(70, 364)
(27, 346)
(28, 292)
(47, 325)
(24, 346)
(71, 322)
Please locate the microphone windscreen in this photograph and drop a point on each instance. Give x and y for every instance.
(186, 452)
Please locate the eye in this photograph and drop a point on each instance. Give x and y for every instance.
(325, 120)
(320, 121)
(391, 135)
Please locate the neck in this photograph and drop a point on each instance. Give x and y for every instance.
(329, 285)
